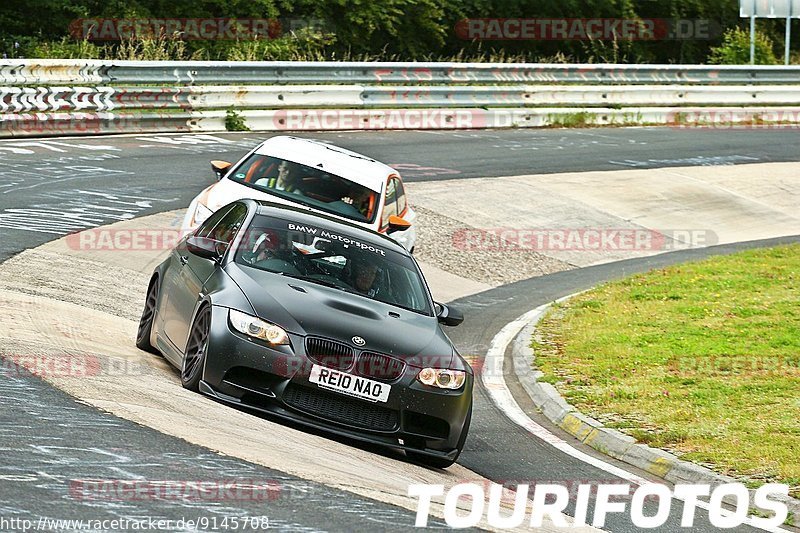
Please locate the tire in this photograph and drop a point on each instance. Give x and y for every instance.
(441, 462)
(148, 315)
(194, 360)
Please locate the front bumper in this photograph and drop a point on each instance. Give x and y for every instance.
(275, 380)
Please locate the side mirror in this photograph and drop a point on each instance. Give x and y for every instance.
(205, 247)
(220, 168)
(449, 316)
(397, 223)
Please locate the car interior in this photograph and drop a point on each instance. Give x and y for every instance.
(335, 264)
(308, 185)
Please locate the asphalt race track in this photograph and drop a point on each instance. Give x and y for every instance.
(134, 175)
(52, 187)
(50, 442)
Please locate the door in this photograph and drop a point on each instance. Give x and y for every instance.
(189, 273)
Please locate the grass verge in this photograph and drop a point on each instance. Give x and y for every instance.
(701, 359)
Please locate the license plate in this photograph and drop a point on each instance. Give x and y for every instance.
(357, 386)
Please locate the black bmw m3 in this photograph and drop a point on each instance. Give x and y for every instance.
(292, 313)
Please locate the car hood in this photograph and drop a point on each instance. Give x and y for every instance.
(305, 308)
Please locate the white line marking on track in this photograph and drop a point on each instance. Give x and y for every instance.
(498, 391)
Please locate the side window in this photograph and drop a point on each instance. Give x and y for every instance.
(227, 227)
(401, 197)
(390, 203)
(206, 227)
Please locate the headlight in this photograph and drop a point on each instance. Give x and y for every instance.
(442, 378)
(201, 213)
(255, 327)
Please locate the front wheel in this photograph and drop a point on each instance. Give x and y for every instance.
(196, 351)
(441, 462)
(148, 316)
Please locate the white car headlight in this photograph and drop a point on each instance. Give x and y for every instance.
(201, 214)
(442, 378)
(260, 329)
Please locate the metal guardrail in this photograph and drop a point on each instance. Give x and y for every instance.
(60, 97)
(50, 124)
(48, 99)
(61, 72)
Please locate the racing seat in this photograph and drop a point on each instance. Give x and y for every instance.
(371, 206)
(255, 169)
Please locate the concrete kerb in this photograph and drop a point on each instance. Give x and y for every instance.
(606, 440)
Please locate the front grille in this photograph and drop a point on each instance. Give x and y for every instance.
(379, 366)
(340, 408)
(329, 353)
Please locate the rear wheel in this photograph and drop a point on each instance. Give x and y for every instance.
(148, 315)
(441, 462)
(196, 351)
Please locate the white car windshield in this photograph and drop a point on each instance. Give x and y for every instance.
(334, 259)
(309, 186)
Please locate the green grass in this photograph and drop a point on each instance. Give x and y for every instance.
(701, 359)
(579, 119)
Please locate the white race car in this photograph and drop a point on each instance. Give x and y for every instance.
(316, 175)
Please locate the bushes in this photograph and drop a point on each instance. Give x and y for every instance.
(302, 45)
(735, 49)
(65, 48)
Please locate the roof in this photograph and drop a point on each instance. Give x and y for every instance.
(310, 216)
(344, 163)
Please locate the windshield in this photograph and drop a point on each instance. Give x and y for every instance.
(335, 260)
(308, 186)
